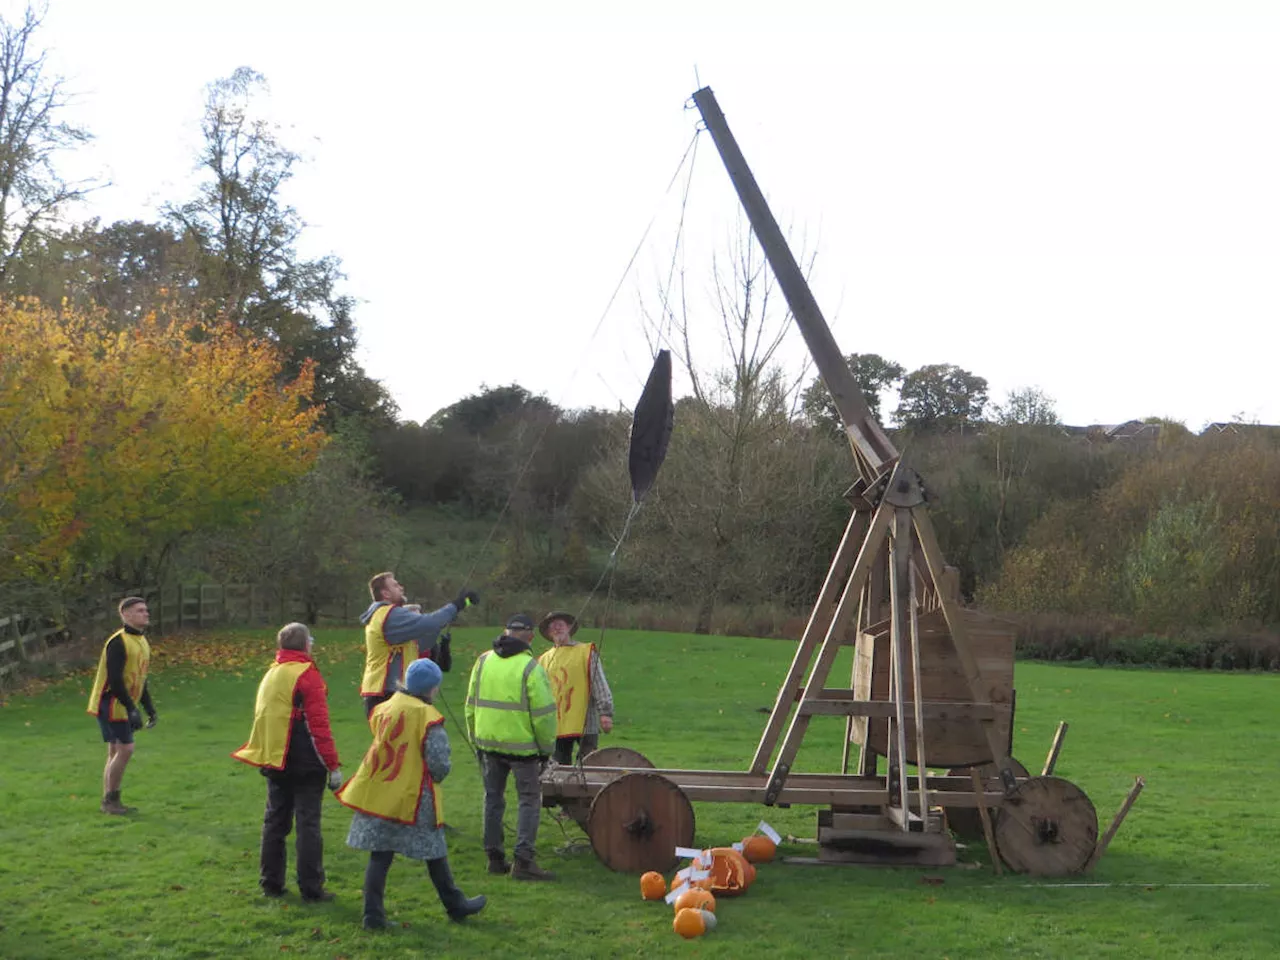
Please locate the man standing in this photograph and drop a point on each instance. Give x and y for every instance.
(119, 686)
(584, 703)
(511, 720)
(292, 746)
(396, 634)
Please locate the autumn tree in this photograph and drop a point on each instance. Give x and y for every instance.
(940, 396)
(32, 134)
(872, 373)
(250, 269)
(117, 444)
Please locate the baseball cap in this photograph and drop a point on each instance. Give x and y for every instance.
(518, 621)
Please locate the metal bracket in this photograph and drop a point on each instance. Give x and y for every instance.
(776, 782)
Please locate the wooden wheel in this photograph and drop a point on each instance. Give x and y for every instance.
(579, 808)
(1047, 828)
(637, 821)
(616, 757)
(966, 822)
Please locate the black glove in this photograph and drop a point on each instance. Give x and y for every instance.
(466, 599)
(151, 719)
(135, 719)
(444, 656)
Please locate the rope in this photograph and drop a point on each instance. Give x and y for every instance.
(689, 150)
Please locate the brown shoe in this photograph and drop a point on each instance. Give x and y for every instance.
(111, 804)
(498, 862)
(527, 869)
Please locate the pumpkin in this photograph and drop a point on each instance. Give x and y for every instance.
(697, 899)
(653, 886)
(731, 874)
(703, 884)
(758, 849)
(690, 923)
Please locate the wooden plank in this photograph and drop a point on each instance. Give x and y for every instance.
(972, 673)
(917, 698)
(987, 832)
(1055, 748)
(880, 709)
(818, 626)
(899, 571)
(1105, 840)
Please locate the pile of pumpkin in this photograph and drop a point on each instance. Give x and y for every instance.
(716, 872)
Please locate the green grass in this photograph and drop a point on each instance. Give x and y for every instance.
(178, 879)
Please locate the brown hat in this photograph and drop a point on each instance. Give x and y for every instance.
(568, 618)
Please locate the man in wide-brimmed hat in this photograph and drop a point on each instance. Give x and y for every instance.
(584, 703)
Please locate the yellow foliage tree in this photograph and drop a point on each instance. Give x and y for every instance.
(116, 443)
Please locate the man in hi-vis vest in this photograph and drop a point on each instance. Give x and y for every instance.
(292, 746)
(511, 719)
(396, 634)
(119, 687)
(584, 703)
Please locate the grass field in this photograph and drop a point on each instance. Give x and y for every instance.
(179, 878)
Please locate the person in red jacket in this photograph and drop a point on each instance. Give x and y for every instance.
(292, 746)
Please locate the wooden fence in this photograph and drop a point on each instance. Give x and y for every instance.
(174, 607)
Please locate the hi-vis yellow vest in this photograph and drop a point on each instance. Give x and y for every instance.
(137, 659)
(378, 654)
(569, 668)
(268, 743)
(393, 773)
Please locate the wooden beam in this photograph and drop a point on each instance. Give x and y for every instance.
(987, 832)
(817, 627)
(872, 546)
(1101, 848)
(951, 611)
(842, 703)
(1055, 748)
(922, 764)
(899, 571)
(872, 448)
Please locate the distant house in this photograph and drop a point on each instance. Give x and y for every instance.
(1241, 429)
(1130, 430)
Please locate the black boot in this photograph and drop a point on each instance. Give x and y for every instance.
(498, 862)
(456, 903)
(526, 868)
(375, 884)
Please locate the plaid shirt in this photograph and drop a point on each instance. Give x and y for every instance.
(601, 702)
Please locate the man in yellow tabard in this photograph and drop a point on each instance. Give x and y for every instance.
(292, 745)
(119, 686)
(397, 633)
(584, 702)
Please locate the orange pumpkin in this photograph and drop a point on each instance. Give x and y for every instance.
(653, 886)
(677, 880)
(689, 923)
(695, 898)
(758, 849)
(731, 874)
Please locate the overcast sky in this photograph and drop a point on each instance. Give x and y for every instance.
(1079, 196)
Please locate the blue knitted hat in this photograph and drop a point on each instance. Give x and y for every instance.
(422, 676)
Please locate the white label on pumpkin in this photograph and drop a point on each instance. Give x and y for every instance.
(675, 894)
(698, 875)
(686, 852)
(769, 832)
(738, 846)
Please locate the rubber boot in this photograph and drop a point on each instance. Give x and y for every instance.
(498, 863)
(527, 869)
(456, 903)
(375, 885)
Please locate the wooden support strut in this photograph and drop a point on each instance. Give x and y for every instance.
(872, 546)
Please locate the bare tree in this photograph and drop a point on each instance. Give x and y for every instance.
(31, 191)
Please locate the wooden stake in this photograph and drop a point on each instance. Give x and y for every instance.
(917, 693)
(987, 832)
(1051, 760)
(1101, 848)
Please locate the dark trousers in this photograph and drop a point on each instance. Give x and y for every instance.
(291, 799)
(527, 770)
(586, 743)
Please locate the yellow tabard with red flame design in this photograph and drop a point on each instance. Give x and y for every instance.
(569, 668)
(137, 661)
(393, 774)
